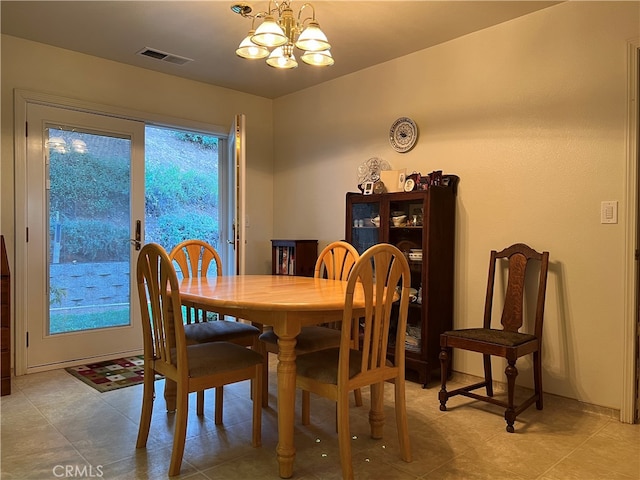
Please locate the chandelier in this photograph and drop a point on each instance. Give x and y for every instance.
(281, 31)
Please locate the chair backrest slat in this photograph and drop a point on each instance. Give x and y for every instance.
(514, 299)
(519, 257)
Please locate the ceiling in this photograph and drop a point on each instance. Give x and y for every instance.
(362, 34)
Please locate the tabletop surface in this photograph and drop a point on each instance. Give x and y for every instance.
(269, 292)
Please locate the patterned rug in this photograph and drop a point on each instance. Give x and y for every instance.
(112, 374)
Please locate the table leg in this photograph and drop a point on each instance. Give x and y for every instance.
(286, 450)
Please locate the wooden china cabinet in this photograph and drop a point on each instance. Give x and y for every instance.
(427, 237)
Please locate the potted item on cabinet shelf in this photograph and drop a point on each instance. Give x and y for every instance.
(415, 214)
(399, 220)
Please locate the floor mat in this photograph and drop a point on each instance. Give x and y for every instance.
(112, 374)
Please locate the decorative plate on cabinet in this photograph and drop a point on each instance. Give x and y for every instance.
(403, 134)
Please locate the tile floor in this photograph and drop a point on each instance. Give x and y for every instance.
(54, 426)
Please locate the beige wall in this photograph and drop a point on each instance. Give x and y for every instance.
(531, 115)
(45, 69)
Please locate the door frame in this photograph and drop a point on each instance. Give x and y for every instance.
(21, 99)
(630, 333)
(236, 180)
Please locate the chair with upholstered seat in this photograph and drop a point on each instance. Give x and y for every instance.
(334, 372)
(196, 258)
(335, 262)
(511, 341)
(194, 367)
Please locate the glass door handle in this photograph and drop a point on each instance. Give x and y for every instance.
(138, 240)
(233, 230)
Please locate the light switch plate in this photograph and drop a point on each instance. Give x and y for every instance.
(609, 211)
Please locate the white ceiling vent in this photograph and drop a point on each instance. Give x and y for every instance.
(164, 56)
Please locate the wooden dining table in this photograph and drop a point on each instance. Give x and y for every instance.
(286, 303)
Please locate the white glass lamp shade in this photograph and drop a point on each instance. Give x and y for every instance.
(318, 59)
(248, 49)
(269, 34)
(79, 146)
(57, 144)
(278, 59)
(312, 39)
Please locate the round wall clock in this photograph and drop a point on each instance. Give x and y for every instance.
(403, 134)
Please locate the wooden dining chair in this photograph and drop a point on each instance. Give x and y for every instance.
(196, 258)
(335, 262)
(192, 367)
(511, 341)
(334, 372)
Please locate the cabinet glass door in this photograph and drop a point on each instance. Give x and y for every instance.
(406, 233)
(365, 225)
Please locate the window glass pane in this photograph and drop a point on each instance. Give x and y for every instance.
(181, 187)
(89, 198)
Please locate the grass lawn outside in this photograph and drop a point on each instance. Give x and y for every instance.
(77, 320)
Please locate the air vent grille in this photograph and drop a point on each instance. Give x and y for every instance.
(164, 56)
